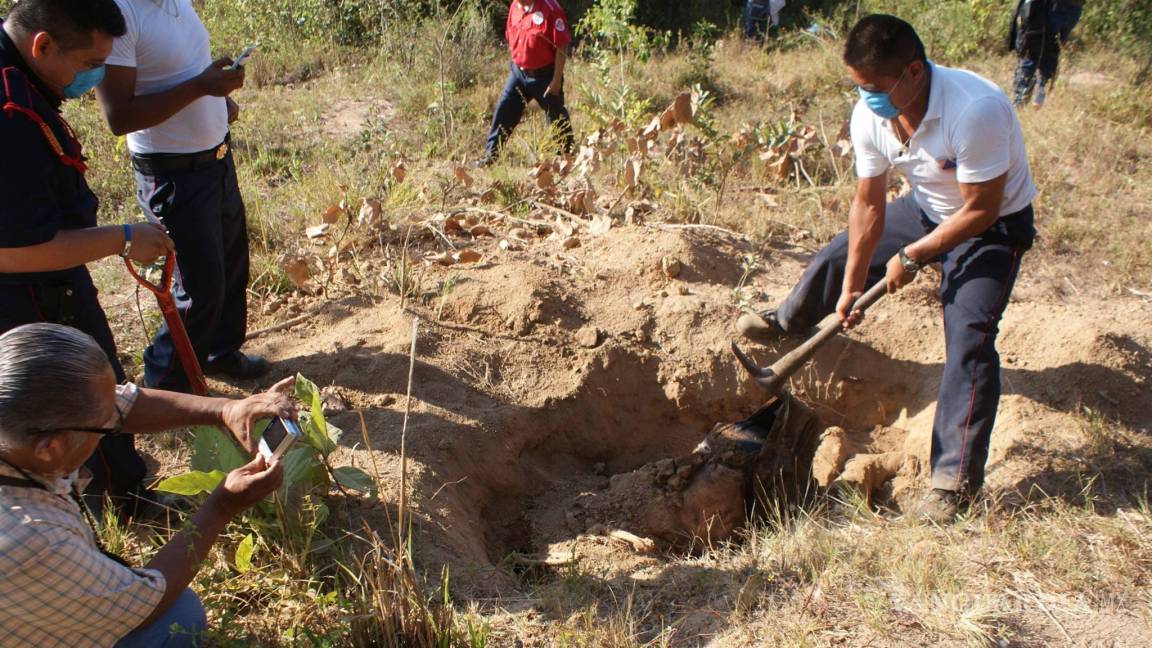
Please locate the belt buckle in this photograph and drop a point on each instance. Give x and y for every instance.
(221, 151)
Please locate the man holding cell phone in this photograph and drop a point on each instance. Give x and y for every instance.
(164, 91)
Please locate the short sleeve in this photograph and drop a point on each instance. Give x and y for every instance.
(870, 161)
(28, 169)
(124, 48)
(981, 138)
(559, 31)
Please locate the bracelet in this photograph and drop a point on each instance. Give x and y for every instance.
(127, 241)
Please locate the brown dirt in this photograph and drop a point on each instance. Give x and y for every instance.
(516, 417)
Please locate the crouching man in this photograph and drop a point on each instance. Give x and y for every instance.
(58, 398)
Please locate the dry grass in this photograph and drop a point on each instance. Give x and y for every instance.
(1046, 569)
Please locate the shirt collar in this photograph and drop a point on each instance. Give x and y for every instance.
(935, 94)
(10, 55)
(54, 485)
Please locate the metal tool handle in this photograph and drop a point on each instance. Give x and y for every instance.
(180, 340)
(773, 378)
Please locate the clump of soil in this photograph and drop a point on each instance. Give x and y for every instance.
(561, 390)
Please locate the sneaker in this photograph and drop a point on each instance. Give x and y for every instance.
(239, 366)
(485, 161)
(763, 327)
(938, 506)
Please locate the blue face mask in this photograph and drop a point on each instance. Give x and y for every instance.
(881, 102)
(83, 82)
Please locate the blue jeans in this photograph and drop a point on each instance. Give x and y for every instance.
(519, 89)
(204, 214)
(1039, 52)
(976, 279)
(181, 626)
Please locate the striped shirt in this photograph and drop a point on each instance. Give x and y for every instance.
(56, 587)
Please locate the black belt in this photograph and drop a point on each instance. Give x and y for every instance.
(165, 163)
(538, 72)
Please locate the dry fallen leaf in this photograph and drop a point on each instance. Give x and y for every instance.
(519, 234)
(442, 258)
(399, 172)
(296, 267)
(600, 225)
(632, 167)
(317, 231)
(463, 176)
(571, 242)
(684, 108)
(332, 214)
(480, 230)
(371, 213)
(452, 225)
(542, 174)
(467, 256)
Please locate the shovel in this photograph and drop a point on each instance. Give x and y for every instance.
(773, 378)
(180, 340)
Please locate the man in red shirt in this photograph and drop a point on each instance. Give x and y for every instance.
(537, 33)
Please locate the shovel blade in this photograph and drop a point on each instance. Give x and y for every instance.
(765, 377)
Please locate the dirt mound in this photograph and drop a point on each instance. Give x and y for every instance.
(558, 386)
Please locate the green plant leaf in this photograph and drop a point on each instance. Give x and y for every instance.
(300, 469)
(313, 427)
(355, 479)
(191, 483)
(214, 449)
(244, 553)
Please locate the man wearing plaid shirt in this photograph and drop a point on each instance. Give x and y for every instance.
(59, 587)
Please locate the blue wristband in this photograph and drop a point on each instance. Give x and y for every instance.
(127, 241)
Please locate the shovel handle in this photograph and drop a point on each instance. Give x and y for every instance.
(773, 378)
(165, 285)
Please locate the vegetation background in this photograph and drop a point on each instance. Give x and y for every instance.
(418, 79)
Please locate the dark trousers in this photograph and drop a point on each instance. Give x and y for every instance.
(117, 469)
(204, 214)
(756, 19)
(976, 279)
(1039, 53)
(519, 89)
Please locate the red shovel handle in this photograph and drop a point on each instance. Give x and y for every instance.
(176, 330)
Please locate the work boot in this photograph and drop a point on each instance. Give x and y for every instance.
(763, 327)
(239, 366)
(938, 506)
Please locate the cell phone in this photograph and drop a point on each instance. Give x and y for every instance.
(278, 437)
(243, 57)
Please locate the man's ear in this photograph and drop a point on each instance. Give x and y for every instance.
(41, 43)
(51, 448)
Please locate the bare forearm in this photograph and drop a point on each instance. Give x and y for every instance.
(157, 410)
(69, 249)
(865, 227)
(146, 111)
(962, 226)
(561, 62)
(180, 559)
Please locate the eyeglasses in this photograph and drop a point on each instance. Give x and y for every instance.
(108, 431)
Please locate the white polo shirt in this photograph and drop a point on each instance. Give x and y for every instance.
(167, 44)
(970, 134)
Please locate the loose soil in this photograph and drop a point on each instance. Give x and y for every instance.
(551, 379)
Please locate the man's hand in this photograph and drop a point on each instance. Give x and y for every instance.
(896, 276)
(240, 415)
(848, 316)
(218, 81)
(246, 486)
(556, 87)
(233, 110)
(149, 242)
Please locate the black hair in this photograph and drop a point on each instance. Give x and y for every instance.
(883, 44)
(70, 22)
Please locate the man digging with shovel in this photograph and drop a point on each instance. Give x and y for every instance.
(956, 138)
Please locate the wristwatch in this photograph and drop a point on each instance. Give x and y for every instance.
(910, 266)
